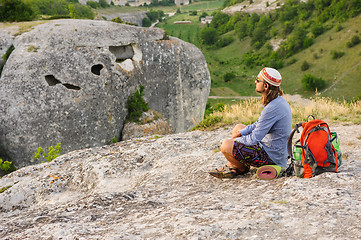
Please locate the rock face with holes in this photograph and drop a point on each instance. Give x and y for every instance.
(68, 81)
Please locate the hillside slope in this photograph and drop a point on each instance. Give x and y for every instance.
(339, 74)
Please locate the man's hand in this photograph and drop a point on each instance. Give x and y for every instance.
(236, 129)
(236, 135)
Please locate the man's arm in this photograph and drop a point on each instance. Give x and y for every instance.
(259, 129)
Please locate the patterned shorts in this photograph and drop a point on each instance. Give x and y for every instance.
(251, 155)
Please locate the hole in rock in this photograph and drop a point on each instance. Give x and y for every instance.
(51, 80)
(70, 86)
(122, 53)
(96, 69)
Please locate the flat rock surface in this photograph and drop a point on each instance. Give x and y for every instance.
(159, 188)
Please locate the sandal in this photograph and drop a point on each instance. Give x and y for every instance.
(226, 172)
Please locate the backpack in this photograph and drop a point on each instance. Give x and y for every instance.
(315, 151)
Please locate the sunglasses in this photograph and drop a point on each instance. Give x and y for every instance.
(257, 80)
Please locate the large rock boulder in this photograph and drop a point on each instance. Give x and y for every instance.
(160, 189)
(6, 40)
(68, 81)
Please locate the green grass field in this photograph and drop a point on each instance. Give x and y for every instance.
(195, 6)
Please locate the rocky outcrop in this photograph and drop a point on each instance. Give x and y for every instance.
(151, 123)
(85, 1)
(133, 17)
(160, 189)
(68, 81)
(259, 7)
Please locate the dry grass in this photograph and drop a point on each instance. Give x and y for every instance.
(329, 110)
(247, 111)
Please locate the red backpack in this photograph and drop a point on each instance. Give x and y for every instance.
(316, 144)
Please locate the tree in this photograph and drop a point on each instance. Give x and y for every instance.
(51, 7)
(219, 22)
(203, 15)
(312, 83)
(155, 15)
(146, 22)
(92, 4)
(103, 4)
(305, 65)
(15, 10)
(317, 29)
(209, 35)
(78, 11)
(241, 29)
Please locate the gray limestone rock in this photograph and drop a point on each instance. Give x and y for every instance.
(134, 17)
(6, 40)
(160, 189)
(68, 81)
(151, 123)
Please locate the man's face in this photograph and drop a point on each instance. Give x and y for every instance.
(260, 85)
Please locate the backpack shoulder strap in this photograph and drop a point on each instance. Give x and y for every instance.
(289, 141)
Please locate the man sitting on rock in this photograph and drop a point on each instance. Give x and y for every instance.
(265, 141)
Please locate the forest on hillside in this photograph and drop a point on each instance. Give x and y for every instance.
(299, 22)
(28, 10)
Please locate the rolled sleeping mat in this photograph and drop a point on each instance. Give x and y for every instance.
(268, 172)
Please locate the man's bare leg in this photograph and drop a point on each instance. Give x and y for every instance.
(227, 150)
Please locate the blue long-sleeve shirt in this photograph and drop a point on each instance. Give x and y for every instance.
(271, 130)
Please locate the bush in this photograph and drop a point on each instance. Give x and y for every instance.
(224, 41)
(146, 22)
(155, 15)
(209, 35)
(305, 65)
(252, 59)
(53, 153)
(228, 76)
(15, 10)
(117, 20)
(7, 166)
(103, 4)
(317, 29)
(92, 4)
(78, 11)
(312, 83)
(336, 54)
(193, 13)
(354, 41)
(136, 106)
(219, 107)
(338, 27)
